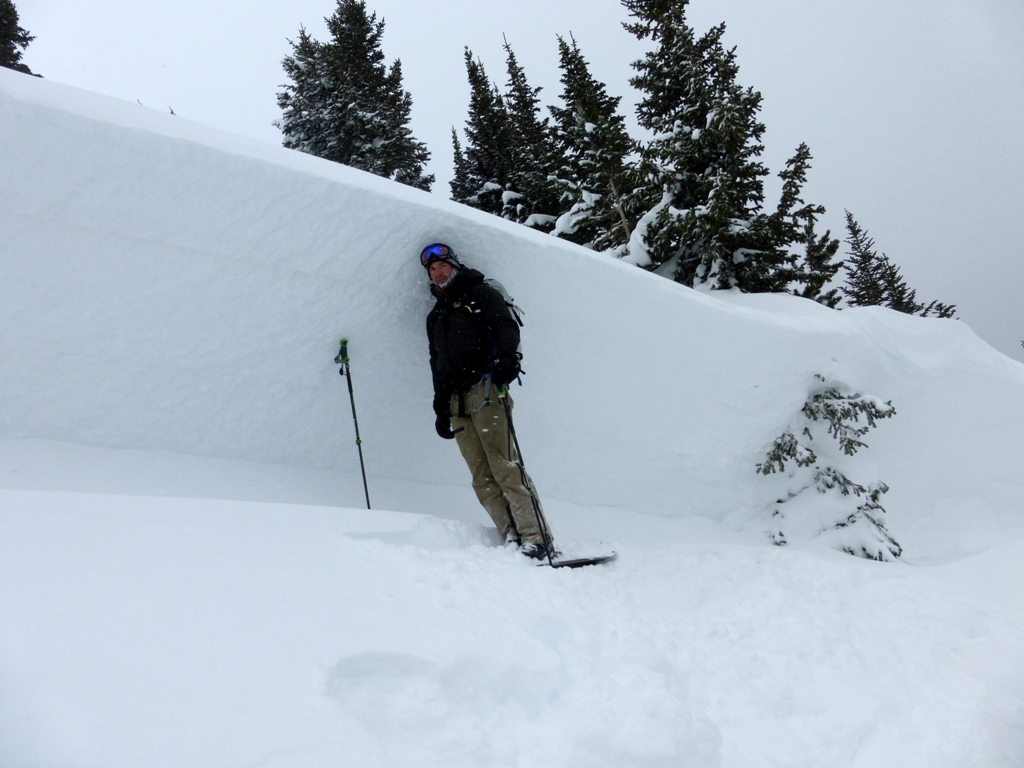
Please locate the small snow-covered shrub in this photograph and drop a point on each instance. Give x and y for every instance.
(820, 498)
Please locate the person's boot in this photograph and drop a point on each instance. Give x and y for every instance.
(537, 550)
(511, 534)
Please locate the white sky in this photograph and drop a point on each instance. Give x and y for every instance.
(913, 109)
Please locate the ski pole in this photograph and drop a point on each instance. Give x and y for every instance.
(503, 396)
(342, 360)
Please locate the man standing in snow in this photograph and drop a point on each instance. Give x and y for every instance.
(474, 355)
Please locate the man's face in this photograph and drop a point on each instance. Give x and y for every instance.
(439, 272)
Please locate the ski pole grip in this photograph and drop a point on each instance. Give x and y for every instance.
(343, 354)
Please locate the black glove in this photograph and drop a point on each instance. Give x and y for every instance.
(443, 425)
(505, 370)
(442, 405)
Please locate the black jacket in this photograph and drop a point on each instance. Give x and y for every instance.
(469, 326)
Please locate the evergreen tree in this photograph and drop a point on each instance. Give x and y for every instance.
(461, 178)
(898, 295)
(846, 514)
(345, 105)
(13, 39)
(874, 280)
(819, 265)
(793, 225)
(533, 198)
(704, 189)
(593, 145)
(938, 309)
(483, 170)
(863, 286)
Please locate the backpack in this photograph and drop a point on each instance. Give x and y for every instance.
(516, 310)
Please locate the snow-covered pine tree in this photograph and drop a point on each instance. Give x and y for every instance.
(532, 197)
(704, 190)
(345, 105)
(875, 280)
(594, 177)
(13, 39)
(819, 266)
(794, 223)
(461, 176)
(846, 514)
(306, 101)
(772, 236)
(483, 170)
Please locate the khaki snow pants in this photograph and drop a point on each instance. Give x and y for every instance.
(486, 444)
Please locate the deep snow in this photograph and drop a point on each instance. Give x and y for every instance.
(185, 578)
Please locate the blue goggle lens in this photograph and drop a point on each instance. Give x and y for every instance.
(434, 252)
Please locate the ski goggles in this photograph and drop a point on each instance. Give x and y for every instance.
(437, 252)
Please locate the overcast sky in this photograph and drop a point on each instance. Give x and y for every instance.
(913, 109)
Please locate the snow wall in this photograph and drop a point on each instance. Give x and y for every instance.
(167, 285)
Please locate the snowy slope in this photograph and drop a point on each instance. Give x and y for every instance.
(171, 298)
(170, 632)
(173, 287)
